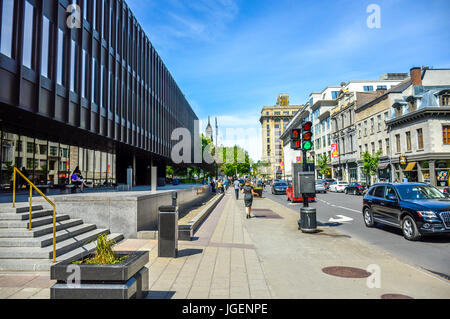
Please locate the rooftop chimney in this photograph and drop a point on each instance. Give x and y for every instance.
(416, 76)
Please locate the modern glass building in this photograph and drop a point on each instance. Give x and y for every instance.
(82, 85)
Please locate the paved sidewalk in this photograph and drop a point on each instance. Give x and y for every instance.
(264, 257)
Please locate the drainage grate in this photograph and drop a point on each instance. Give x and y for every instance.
(395, 296)
(346, 272)
(265, 213)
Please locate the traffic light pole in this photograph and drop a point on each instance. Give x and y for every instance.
(305, 168)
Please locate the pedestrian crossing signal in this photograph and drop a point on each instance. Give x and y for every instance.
(296, 143)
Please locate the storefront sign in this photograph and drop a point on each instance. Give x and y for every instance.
(403, 160)
(442, 176)
(334, 151)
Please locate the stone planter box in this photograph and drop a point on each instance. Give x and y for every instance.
(127, 280)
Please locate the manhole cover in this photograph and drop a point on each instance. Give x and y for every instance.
(265, 213)
(395, 296)
(346, 272)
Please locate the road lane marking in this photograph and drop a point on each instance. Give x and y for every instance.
(346, 208)
(342, 219)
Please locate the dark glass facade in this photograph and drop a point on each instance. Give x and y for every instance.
(100, 87)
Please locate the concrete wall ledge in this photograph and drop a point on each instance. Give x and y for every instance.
(127, 213)
(185, 232)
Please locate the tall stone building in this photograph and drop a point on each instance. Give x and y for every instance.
(274, 120)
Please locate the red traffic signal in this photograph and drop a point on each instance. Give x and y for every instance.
(307, 126)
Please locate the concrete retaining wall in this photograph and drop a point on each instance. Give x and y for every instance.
(126, 213)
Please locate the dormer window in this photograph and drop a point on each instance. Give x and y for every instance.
(444, 98)
(412, 103)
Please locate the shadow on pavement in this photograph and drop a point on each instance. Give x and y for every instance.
(435, 239)
(189, 252)
(153, 294)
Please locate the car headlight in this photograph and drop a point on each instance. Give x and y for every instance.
(427, 214)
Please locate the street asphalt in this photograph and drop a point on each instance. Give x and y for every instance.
(345, 212)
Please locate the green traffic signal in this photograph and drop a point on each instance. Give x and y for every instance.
(307, 146)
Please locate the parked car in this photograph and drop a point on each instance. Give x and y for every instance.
(417, 209)
(328, 182)
(355, 189)
(446, 191)
(338, 187)
(279, 188)
(291, 198)
(320, 187)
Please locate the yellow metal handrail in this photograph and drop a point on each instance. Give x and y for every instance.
(31, 196)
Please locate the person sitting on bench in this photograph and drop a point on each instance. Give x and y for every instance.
(77, 179)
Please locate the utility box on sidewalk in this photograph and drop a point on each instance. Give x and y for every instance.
(168, 231)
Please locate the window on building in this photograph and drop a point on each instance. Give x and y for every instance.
(444, 99)
(324, 141)
(381, 87)
(372, 126)
(373, 148)
(7, 28)
(408, 141)
(335, 95)
(398, 142)
(388, 147)
(368, 88)
(446, 133)
(420, 139)
(28, 36)
(379, 123)
(73, 66)
(30, 147)
(45, 47)
(365, 128)
(277, 113)
(380, 146)
(60, 62)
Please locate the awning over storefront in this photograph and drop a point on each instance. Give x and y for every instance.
(410, 167)
(383, 166)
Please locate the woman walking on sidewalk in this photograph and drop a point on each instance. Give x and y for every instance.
(248, 197)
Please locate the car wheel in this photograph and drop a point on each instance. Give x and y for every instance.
(409, 229)
(346, 191)
(368, 218)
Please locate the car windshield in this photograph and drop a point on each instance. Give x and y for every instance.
(280, 184)
(414, 192)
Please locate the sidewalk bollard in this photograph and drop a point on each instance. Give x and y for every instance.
(168, 231)
(308, 221)
(174, 198)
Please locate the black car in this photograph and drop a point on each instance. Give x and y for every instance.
(417, 209)
(355, 189)
(279, 188)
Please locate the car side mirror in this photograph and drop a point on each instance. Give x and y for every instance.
(391, 197)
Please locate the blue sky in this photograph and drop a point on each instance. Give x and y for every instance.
(231, 57)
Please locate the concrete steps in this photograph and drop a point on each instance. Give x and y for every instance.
(45, 264)
(25, 250)
(25, 216)
(38, 231)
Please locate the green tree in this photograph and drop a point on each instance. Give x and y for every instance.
(323, 163)
(371, 163)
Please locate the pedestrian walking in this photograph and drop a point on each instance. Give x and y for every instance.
(248, 192)
(213, 186)
(237, 187)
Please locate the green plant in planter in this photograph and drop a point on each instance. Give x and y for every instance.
(104, 255)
